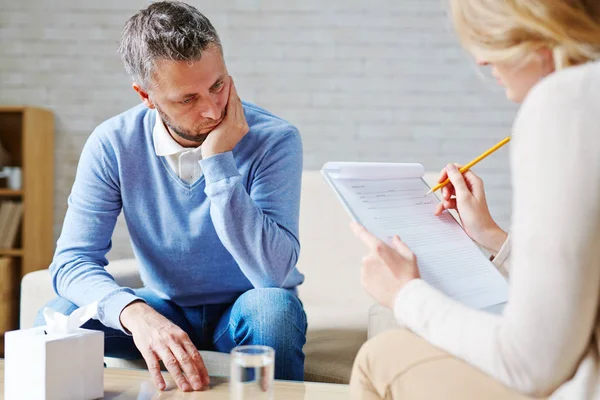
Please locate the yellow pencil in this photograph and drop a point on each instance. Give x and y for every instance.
(475, 161)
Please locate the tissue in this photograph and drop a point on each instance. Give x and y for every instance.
(57, 361)
(60, 324)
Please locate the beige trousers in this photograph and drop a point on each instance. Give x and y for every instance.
(398, 364)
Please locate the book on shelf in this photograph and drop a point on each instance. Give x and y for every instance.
(8, 294)
(11, 213)
(4, 215)
(5, 282)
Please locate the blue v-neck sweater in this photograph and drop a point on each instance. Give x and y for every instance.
(234, 229)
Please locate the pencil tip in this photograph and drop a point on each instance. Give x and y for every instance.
(428, 193)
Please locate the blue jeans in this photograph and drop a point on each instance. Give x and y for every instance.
(270, 316)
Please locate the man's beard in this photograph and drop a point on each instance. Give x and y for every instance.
(186, 134)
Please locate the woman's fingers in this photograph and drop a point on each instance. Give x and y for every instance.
(364, 235)
(475, 184)
(403, 249)
(448, 191)
(458, 181)
(380, 252)
(445, 205)
(443, 175)
(439, 209)
(450, 204)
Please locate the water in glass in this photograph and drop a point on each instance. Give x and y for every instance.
(252, 373)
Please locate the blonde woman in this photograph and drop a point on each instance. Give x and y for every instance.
(546, 343)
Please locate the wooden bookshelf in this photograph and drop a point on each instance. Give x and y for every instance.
(28, 135)
(10, 193)
(11, 252)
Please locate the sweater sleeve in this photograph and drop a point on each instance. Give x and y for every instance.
(259, 228)
(555, 283)
(77, 270)
(501, 260)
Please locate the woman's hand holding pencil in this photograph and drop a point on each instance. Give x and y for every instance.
(463, 191)
(465, 194)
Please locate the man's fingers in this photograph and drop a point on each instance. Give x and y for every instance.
(187, 365)
(234, 104)
(197, 360)
(174, 369)
(232, 89)
(234, 98)
(153, 364)
(230, 109)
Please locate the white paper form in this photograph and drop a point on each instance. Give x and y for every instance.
(448, 259)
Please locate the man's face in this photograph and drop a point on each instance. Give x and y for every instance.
(191, 97)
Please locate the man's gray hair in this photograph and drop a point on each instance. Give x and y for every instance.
(166, 30)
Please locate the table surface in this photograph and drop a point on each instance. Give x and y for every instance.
(125, 384)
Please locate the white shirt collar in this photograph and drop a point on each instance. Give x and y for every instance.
(164, 144)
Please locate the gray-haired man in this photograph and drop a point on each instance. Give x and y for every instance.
(210, 190)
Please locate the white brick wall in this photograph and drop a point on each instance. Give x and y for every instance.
(364, 80)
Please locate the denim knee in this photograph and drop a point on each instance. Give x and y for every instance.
(272, 311)
(58, 304)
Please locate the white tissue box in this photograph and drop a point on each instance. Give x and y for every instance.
(67, 366)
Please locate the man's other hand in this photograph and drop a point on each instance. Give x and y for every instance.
(158, 339)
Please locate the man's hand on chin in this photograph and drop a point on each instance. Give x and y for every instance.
(230, 131)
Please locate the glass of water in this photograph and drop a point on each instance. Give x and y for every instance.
(252, 373)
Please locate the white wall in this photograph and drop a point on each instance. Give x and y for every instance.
(380, 80)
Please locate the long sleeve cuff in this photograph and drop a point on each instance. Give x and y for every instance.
(501, 259)
(218, 167)
(110, 307)
(407, 305)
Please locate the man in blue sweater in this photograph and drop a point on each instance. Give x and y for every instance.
(210, 190)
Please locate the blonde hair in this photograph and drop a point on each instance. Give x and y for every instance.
(512, 30)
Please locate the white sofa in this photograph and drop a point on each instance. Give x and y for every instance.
(336, 305)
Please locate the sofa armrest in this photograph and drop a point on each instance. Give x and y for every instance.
(381, 319)
(37, 291)
(126, 273)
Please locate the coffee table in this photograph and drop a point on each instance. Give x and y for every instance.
(126, 384)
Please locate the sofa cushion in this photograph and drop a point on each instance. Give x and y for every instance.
(330, 259)
(330, 354)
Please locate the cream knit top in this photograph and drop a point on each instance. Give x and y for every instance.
(546, 341)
